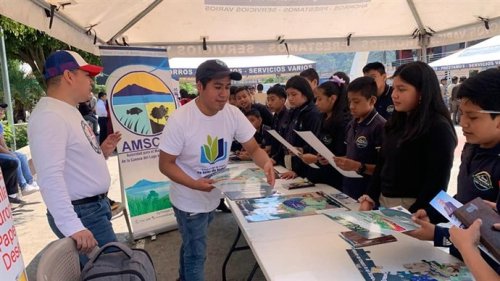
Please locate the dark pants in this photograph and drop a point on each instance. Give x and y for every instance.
(9, 171)
(103, 128)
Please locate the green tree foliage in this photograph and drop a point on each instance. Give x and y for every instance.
(189, 87)
(24, 89)
(33, 46)
(21, 135)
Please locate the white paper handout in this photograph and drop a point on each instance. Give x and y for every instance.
(315, 143)
(239, 182)
(290, 147)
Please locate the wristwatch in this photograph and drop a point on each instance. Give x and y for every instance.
(361, 169)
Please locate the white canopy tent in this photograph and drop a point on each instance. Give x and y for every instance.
(259, 65)
(215, 28)
(484, 54)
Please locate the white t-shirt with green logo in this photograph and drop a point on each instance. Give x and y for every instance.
(202, 144)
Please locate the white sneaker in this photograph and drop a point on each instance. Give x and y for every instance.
(29, 188)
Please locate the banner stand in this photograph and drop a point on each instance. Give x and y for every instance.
(142, 95)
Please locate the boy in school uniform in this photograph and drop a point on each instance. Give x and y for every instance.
(261, 136)
(364, 136)
(384, 104)
(479, 173)
(276, 98)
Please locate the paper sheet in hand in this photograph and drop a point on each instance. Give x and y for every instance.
(290, 147)
(237, 183)
(315, 143)
(446, 205)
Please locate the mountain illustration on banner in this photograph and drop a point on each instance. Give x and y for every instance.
(148, 196)
(142, 103)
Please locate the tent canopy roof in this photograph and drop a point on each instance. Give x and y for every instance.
(238, 62)
(260, 27)
(258, 65)
(484, 54)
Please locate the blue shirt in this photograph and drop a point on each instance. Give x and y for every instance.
(363, 142)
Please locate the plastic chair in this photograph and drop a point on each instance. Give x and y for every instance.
(59, 262)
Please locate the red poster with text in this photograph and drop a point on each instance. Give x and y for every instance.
(12, 265)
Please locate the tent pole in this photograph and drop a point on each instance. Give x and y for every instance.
(423, 38)
(6, 88)
(424, 48)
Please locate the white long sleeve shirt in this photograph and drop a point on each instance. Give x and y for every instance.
(101, 108)
(68, 160)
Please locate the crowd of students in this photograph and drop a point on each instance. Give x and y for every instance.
(399, 138)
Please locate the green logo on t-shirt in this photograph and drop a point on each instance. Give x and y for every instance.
(214, 150)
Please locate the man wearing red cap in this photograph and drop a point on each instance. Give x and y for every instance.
(72, 171)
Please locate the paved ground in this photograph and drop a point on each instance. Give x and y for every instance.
(34, 234)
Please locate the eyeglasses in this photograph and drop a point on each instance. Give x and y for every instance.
(488, 111)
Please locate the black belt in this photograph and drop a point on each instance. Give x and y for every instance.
(89, 199)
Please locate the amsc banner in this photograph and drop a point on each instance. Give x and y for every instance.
(12, 265)
(141, 96)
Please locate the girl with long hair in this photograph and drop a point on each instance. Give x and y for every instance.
(417, 152)
(331, 101)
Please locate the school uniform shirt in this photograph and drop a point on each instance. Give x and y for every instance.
(384, 104)
(68, 160)
(303, 118)
(442, 234)
(479, 173)
(332, 135)
(279, 124)
(415, 169)
(262, 137)
(478, 176)
(202, 149)
(363, 141)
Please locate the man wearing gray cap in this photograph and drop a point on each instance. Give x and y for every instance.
(195, 144)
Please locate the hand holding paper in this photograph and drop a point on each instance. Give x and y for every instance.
(346, 164)
(315, 143)
(426, 230)
(290, 147)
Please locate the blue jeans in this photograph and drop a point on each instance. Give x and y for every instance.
(193, 228)
(23, 169)
(96, 217)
